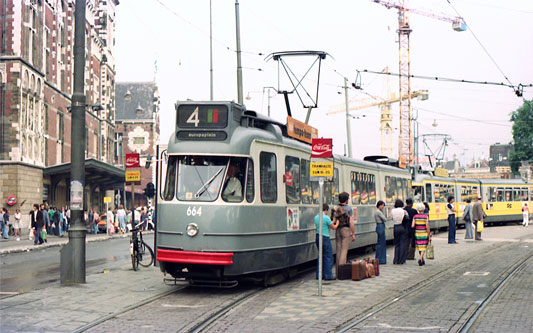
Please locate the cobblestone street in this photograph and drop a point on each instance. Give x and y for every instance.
(139, 301)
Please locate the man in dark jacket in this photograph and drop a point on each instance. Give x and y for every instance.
(410, 248)
(39, 225)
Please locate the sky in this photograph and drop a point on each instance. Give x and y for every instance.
(168, 41)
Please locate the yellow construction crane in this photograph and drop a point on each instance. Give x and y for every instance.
(384, 103)
(406, 138)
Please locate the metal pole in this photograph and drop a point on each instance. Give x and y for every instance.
(348, 127)
(239, 66)
(320, 233)
(211, 49)
(72, 259)
(268, 92)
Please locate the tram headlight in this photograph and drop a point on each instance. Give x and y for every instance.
(192, 229)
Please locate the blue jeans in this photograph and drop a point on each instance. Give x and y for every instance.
(381, 249)
(94, 228)
(38, 236)
(451, 229)
(327, 257)
(5, 231)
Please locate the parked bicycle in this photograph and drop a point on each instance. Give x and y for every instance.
(141, 253)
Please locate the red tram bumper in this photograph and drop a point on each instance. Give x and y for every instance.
(202, 258)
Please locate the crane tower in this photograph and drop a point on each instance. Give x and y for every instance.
(406, 138)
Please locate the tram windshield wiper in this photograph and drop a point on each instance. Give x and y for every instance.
(204, 187)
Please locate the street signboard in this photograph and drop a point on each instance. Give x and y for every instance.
(322, 169)
(132, 160)
(107, 199)
(133, 176)
(322, 148)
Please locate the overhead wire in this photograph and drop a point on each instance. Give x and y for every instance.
(517, 89)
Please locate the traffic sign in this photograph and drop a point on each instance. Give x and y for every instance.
(132, 160)
(107, 199)
(133, 176)
(323, 169)
(322, 148)
(11, 200)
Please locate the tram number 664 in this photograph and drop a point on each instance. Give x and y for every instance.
(193, 211)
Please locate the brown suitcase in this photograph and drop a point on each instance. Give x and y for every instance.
(358, 270)
(345, 272)
(370, 270)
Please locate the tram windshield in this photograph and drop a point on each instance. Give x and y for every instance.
(200, 178)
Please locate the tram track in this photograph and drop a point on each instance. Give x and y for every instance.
(471, 316)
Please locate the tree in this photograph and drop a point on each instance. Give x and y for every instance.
(522, 120)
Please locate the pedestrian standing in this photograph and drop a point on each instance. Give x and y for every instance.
(46, 218)
(345, 229)
(525, 215)
(398, 215)
(410, 232)
(17, 225)
(33, 221)
(381, 247)
(478, 217)
(95, 223)
(109, 222)
(467, 217)
(121, 216)
(5, 223)
(39, 225)
(90, 218)
(450, 209)
(327, 250)
(422, 232)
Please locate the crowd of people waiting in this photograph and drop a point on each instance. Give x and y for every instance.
(50, 220)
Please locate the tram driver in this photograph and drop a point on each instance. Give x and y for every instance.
(232, 185)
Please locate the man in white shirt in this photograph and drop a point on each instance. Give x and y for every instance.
(233, 187)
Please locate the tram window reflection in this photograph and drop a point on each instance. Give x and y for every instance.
(170, 184)
(200, 177)
(250, 188)
(292, 179)
(305, 183)
(267, 175)
(429, 193)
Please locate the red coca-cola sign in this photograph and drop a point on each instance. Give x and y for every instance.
(322, 148)
(132, 160)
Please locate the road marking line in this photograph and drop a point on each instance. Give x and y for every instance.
(382, 325)
(477, 273)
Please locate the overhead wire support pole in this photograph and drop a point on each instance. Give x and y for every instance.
(348, 127)
(239, 66)
(72, 258)
(210, 50)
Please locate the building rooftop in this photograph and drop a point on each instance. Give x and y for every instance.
(135, 100)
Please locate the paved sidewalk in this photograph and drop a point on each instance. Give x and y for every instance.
(11, 245)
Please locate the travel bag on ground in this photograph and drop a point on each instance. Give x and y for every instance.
(358, 270)
(345, 272)
(375, 263)
(369, 270)
(430, 252)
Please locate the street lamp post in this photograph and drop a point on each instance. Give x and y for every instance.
(248, 97)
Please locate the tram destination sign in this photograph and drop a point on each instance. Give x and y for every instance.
(301, 131)
(322, 169)
(202, 116)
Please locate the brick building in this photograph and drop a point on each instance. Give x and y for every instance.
(36, 75)
(137, 130)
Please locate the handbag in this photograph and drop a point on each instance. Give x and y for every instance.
(43, 234)
(430, 252)
(479, 226)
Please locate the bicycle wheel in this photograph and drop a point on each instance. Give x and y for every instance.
(146, 255)
(134, 257)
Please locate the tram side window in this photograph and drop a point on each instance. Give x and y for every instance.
(170, 184)
(305, 183)
(250, 188)
(500, 194)
(372, 190)
(475, 193)
(508, 194)
(390, 183)
(399, 189)
(516, 194)
(292, 179)
(429, 194)
(405, 189)
(331, 189)
(524, 194)
(364, 188)
(418, 194)
(355, 193)
(491, 193)
(267, 175)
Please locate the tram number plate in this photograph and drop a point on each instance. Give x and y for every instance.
(194, 211)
